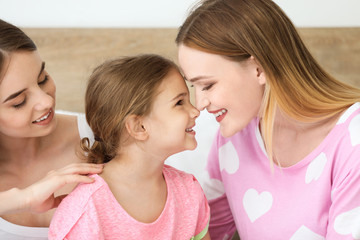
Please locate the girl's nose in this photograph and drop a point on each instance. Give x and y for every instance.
(194, 112)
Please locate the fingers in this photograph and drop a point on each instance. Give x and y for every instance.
(40, 195)
(78, 168)
(56, 179)
(74, 178)
(73, 173)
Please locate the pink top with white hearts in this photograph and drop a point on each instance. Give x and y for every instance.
(317, 198)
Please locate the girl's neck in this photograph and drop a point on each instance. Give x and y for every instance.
(138, 185)
(134, 168)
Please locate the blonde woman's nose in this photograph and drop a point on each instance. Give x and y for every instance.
(201, 102)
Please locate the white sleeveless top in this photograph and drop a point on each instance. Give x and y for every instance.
(10, 231)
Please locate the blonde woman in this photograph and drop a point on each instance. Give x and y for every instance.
(286, 161)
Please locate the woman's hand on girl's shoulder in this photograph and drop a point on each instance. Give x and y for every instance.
(39, 197)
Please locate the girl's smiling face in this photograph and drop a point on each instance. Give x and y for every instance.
(27, 97)
(172, 116)
(231, 90)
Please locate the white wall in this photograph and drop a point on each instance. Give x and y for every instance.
(159, 13)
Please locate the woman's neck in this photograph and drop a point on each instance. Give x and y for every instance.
(285, 122)
(17, 150)
(294, 140)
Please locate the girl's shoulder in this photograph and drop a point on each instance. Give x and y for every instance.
(74, 206)
(186, 194)
(181, 182)
(176, 174)
(80, 196)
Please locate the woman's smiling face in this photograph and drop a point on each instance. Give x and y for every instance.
(27, 96)
(231, 90)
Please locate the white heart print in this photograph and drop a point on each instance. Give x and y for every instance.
(348, 223)
(260, 140)
(315, 168)
(354, 130)
(228, 158)
(348, 113)
(255, 204)
(213, 188)
(305, 233)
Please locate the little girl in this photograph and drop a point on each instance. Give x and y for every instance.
(139, 110)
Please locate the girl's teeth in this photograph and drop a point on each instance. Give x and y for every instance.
(220, 113)
(188, 130)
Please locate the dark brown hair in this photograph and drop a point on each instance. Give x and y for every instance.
(12, 39)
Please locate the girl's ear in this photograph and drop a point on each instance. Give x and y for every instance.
(135, 128)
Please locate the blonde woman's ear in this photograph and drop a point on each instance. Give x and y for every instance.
(135, 128)
(259, 71)
(261, 75)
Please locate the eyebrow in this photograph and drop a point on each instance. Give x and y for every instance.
(42, 69)
(179, 96)
(197, 78)
(14, 95)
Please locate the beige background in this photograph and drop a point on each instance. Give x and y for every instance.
(71, 54)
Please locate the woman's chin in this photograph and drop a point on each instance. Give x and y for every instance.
(227, 132)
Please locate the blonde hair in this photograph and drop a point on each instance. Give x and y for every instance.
(116, 89)
(296, 83)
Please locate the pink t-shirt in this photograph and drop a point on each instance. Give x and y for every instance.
(91, 212)
(318, 198)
